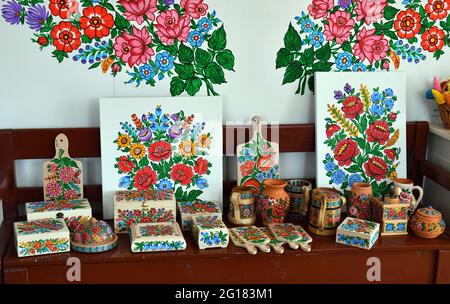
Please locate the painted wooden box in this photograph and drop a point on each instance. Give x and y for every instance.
(392, 216)
(209, 231)
(357, 233)
(43, 236)
(148, 206)
(151, 237)
(189, 208)
(70, 210)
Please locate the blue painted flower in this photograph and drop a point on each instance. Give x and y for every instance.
(338, 177)
(164, 61)
(316, 39)
(389, 227)
(195, 38)
(307, 25)
(202, 183)
(11, 12)
(260, 177)
(216, 239)
(343, 61)
(376, 109)
(338, 95)
(328, 156)
(376, 97)
(401, 227)
(348, 241)
(341, 237)
(147, 246)
(169, 2)
(204, 25)
(164, 184)
(36, 16)
(359, 67)
(362, 242)
(389, 92)
(355, 241)
(354, 178)
(347, 88)
(389, 103)
(147, 71)
(330, 166)
(124, 182)
(344, 3)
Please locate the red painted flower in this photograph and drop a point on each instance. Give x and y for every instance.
(247, 168)
(392, 116)
(352, 106)
(407, 23)
(144, 178)
(437, 9)
(125, 164)
(345, 150)
(376, 167)
(159, 150)
(66, 37)
(182, 173)
(390, 153)
(332, 129)
(433, 39)
(201, 166)
(96, 21)
(378, 131)
(194, 8)
(42, 40)
(63, 8)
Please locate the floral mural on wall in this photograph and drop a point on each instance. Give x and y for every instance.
(362, 35)
(150, 40)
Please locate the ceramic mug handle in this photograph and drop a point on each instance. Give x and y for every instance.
(420, 195)
(323, 208)
(235, 198)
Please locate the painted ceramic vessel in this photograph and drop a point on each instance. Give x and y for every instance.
(325, 211)
(360, 205)
(242, 206)
(404, 188)
(299, 195)
(273, 201)
(93, 236)
(427, 223)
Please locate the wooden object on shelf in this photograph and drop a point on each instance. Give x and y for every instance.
(252, 235)
(306, 239)
(209, 231)
(276, 245)
(391, 214)
(149, 237)
(357, 233)
(187, 209)
(238, 243)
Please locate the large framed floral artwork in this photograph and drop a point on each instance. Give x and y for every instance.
(161, 143)
(360, 129)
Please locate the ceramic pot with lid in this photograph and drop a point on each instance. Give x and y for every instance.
(427, 223)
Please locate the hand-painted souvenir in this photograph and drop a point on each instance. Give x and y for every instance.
(190, 208)
(299, 196)
(325, 211)
(360, 201)
(273, 201)
(93, 236)
(44, 236)
(276, 245)
(427, 223)
(305, 240)
(149, 237)
(70, 210)
(238, 243)
(357, 233)
(404, 188)
(286, 232)
(209, 231)
(63, 178)
(252, 235)
(147, 206)
(391, 214)
(242, 206)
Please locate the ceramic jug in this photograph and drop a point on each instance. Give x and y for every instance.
(325, 211)
(242, 206)
(273, 201)
(360, 201)
(299, 195)
(404, 188)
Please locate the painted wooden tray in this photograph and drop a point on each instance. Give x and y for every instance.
(305, 240)
(286, 232)
(257, 159)
(63, 178)
(253, 236)
(276, 245)
(238, 243)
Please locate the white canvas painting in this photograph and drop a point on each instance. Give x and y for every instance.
(360, 129)
(161, 143)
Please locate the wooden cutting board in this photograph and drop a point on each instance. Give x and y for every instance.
(252, 236)
(257, 159)
(62, 176)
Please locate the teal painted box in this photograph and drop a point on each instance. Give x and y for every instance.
(357, 233)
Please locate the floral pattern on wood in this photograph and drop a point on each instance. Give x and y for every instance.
(395, 227)
(286, 231)
(209, 222)
(127, 217)
(198, 206)
(362, 35)
(43, 246)
(157, 230)
(214, 238)
(148, 40)
(353, 240)
(62, 205)
(39, 226)
(144, 195)
(251, 234)
(158, 246)
(358, 226)
(273, 240)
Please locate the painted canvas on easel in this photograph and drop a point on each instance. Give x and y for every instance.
(360, 129)
(162, 143)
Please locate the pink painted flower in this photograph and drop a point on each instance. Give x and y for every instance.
(66, 174)
(370, 46)
(194, 8)
(370, 10)
(339, 26)
(71, 194)
(319, 8)
(137, 9)
(171, 26)
(53, 189)
(53, 168)
(133, 48)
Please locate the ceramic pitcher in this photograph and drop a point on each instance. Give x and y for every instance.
(360, 201)
(273, 201)
(404, 188)
(325, 211)
(299, 195)
(242, 206)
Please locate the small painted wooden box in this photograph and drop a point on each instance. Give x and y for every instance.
(357, 233)
(392, 215)
(43, 236)
(149, 206)
(197, 207)
(150, 237)
(69, 210)
(209, 231)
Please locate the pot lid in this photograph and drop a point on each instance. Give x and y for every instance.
(429, 212)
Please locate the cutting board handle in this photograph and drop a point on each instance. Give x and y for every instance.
(256, 124)
(62, 142)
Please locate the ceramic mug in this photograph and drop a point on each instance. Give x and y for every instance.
(299, 195)
(404, 188)
(360, 201)
(242, 206)
(325, 211)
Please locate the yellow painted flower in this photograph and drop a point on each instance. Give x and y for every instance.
(123, 140)
(393, 175)
(204, 141)
(187, 148)
(137, 151)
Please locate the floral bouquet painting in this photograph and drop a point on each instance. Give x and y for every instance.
(150, 40)
(360, 130)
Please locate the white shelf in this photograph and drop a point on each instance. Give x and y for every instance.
(439, 130)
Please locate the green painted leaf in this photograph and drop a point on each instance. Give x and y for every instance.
(218, 40)
(322, 66)
(311, 82)
(185, 71)
(324, 53)
(293, 72)
(346, 46)
(214, 72)
(176, 86)
(193, 86)
(390, 12)
(292, 40)
(202, 57)
(121, 23)
(284, 58)
(226, 59)
(307, 57)
(194, 194)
